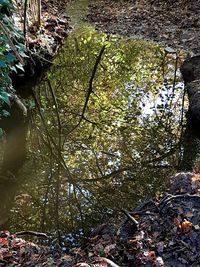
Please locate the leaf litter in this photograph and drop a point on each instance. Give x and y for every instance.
(173, 23)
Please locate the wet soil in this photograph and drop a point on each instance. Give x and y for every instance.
(172, 23)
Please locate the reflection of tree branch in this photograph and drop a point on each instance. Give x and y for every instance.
(163, 156)
(129, 168)
(109, 154)
(60, 156)
(161, 166)
(49, 179)
(29, 221)
(175, 75)
(56, 108)
(107, 176)
(92, 79)
(84, 118)
(50, 139)
(84, 196)
(90, 88)
(34, 199)
(70, 204)
(50, 176)
(181, 138)
(79, 209)
(97, 162)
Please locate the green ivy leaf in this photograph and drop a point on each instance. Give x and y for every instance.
(5, 97)
(13, 69)
(3, 64)
(5, 113)
(6, 6)
(10, 57)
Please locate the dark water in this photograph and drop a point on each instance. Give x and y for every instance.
(105, 135)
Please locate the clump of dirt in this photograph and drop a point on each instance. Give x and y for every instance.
(173, 23)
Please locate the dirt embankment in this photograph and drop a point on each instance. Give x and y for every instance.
(42, 42)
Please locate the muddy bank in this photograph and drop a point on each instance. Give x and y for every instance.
(175, 24)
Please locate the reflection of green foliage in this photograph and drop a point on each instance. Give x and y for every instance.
(115, 156)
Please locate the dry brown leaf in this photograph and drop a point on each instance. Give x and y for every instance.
(186, 226)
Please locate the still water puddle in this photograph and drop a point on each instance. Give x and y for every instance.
(108, 117)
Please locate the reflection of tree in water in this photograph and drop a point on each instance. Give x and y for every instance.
(8, 190)
(13, 154)
(94, 147)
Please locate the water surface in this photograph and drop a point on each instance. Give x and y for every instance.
(108, 119)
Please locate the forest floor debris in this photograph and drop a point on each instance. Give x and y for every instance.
(172, 23)
(55, 28)
(42, 43)
(167, 231)
(164, 231)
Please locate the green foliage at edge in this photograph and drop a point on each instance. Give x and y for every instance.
(8, 61)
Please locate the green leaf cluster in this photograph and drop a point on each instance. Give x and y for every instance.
(6, 7)
(11, 43)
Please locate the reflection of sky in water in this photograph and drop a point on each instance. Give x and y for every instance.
(166, 93)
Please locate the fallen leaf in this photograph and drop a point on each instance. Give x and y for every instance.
(186, 226)
(4, 241)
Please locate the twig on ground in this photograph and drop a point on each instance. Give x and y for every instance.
(133, 220)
